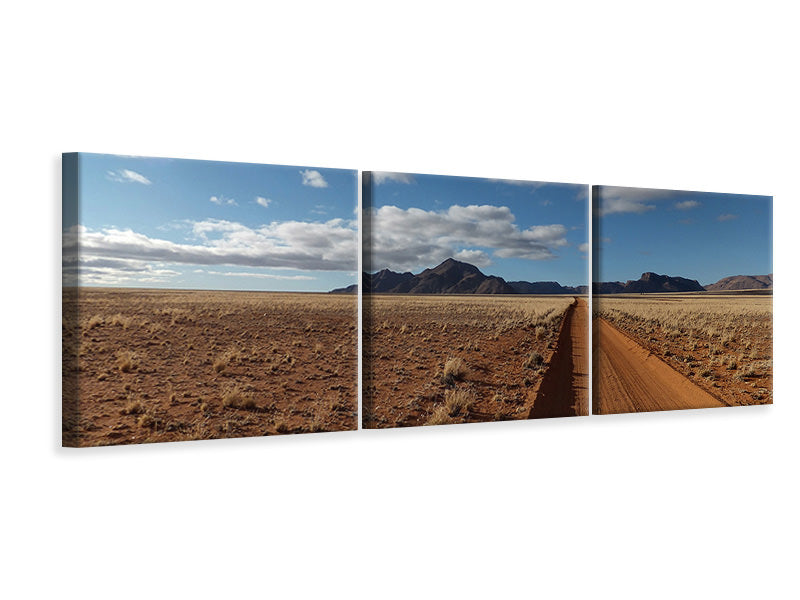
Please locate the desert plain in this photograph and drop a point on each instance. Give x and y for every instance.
(167, 365)
(442, 359)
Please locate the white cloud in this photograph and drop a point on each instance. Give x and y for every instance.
(479, 258)
(727, 217)
(223, 201)
(261, 201)
(257, 275)
(687, 204)
(313, 178)
(305, 246)
(584, 247)
(127, 176)
(380, 177)
(625, 200)
(93, 270)
(408, 238)
(618, 200)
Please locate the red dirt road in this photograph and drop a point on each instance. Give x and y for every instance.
(627, 378)
(565, 388)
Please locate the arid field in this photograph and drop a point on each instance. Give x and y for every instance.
(168, 365)
(431, 360)
(721, 343)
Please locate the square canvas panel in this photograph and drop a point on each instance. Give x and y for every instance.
(682, 300)
(474, 300)
(196, 304)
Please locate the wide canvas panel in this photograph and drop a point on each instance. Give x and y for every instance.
(196, 300)
(682, 300)
(474, 300)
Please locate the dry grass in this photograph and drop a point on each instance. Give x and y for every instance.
(534, 360)
(127, 361)
(94, 321)
(236, 397)
(133, 407)
(440, 416)
(458, 401)
(455, 369)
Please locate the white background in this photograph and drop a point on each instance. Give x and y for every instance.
(689, 95)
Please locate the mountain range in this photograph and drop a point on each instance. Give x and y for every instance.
(651, 283)
(454, 277)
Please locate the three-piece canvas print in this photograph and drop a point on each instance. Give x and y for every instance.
(207, 300)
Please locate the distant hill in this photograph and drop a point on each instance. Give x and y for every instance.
(546, 287)
(453, 277)
(742, 282)
(648, 283)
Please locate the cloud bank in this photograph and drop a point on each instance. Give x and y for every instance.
(115, 255)
(404, 239)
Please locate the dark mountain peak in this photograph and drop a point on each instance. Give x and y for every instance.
(452, 265)
(389, 273)
(649, 283)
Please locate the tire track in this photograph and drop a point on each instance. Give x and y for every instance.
(564, 391)
(628, 378)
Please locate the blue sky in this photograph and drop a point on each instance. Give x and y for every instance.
(518, 230)
(156, 222)
(699, 235)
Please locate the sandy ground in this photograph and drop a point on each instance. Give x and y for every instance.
(628, 378)
(167, 365)
(507, 345)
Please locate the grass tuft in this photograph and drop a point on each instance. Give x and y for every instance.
(533, 361)
(458, 402)
(126, 361)
(455, 369)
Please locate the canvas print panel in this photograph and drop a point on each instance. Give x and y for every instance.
(474, 300)
(694, 330)
(196, 304)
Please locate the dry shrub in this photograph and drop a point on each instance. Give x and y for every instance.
(223, 360)
(458, 402)
(121, 320)
(127, 361)
(533, 361)
(236, 397)
(134, 407)
(455, 369)
(440, 416)
(146, 421)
